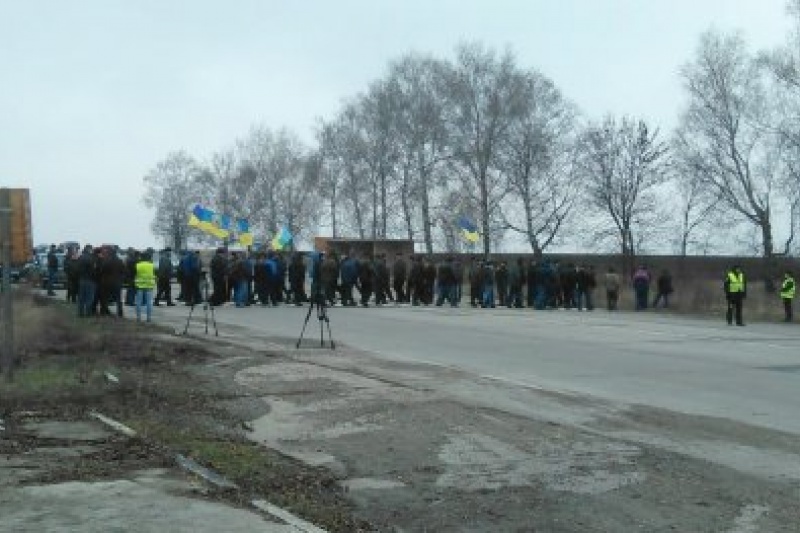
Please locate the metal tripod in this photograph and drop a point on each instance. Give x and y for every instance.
(318, 303)
(206, 308)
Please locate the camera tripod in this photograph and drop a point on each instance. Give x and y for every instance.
(318, 303)
(206, 308)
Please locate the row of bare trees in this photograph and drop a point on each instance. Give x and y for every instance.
(478, 136)
(270, 178)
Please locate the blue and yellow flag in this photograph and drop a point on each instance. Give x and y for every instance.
(201, 218)
(243, 228)
(468, 230)
(282, 239)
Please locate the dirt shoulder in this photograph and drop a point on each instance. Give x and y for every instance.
(351, 442)
(147, 379)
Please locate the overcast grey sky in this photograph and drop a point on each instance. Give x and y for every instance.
(93, 93)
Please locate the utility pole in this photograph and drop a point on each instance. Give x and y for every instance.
(7, 355)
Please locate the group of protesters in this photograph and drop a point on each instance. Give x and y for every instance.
(97, 277)
(272, 278)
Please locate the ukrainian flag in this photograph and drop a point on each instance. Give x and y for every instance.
(468, 230)
(282, 240)
(243, 228)
(222, 226)
(201, 218)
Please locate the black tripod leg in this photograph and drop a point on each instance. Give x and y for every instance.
(214, 320)
(330, 335)
(305, 323)
(188, 319)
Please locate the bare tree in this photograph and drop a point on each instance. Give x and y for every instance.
(484, 95)
(172, 189)
(538, 157)
(696, 207)
(722, 139)
(344, 152)
(275, 184)
(624, 164)
(417, 86)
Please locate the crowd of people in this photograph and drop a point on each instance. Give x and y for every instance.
(98, 277)
(271, 278)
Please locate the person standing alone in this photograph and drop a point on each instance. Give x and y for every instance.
(735, 293)
(787, 295)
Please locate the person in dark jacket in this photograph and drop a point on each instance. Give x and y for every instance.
(329, 278)
(366, 279)
(516, 271)
(501, 280)
(190, 276)
(131, 258)
(641, 287)
(219, 277)
(116, 279)
(399, 273)
(349, 276)
(568, 277)
(475, 274)
(487, 279)
(382, 291)
(87, 285)
(71, 271)
(586, 281)
(663, 289)
(415, 280)
(274, 285)
(52, 269)
(428, 280)
(446, 280)
(164, 273)
(297, 279)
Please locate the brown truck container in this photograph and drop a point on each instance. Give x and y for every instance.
(19, 200)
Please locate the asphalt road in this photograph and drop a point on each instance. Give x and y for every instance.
(749, 374)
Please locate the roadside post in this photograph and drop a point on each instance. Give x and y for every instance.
(6, 309)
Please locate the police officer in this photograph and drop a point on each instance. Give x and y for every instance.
(787, 295)
(735, 293)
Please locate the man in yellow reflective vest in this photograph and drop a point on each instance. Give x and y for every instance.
(145, 282)
(735, 293)
(787, 295)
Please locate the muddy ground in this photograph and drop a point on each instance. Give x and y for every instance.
(350, 442)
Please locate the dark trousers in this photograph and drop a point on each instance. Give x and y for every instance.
(612, 297)
(366, 293)
(298, 289)
(661, 296)
(72, 289)
(130, 294)
(735, 301)
(219, 290)
(115, 295)
(447, 292)
(787, 309)
(164, 291)
(86, 294)
(475, 294)
(347, 293)
(399, 292)
(514, 296)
